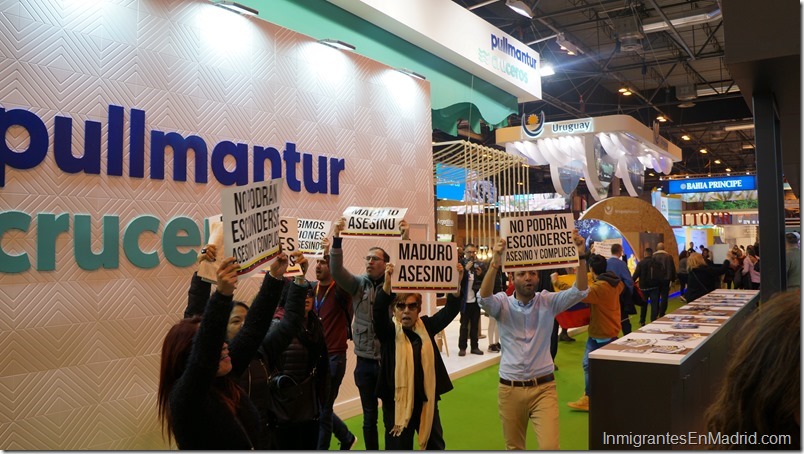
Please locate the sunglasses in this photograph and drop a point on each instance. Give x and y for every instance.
(410, 306)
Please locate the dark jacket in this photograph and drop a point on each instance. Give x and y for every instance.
(200, 419)
(703, 280)
(641, 271)
(386, 333)
(669, 264)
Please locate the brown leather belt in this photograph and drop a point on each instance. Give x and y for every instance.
(527, 383)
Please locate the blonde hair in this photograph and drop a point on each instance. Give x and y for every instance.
(695, 260)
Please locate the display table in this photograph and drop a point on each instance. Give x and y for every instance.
(652, 387)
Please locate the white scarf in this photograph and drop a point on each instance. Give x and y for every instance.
(404, 382)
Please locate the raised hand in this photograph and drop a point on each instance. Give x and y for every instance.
(339, 226)
(404, 227)
(580, 242)
(301, 260)
(227, 276)
(279, 266)
(389, 271)
(325, 245)
(208, 252)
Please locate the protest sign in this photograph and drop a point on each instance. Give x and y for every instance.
(289, 237)
(604, 247)
(538, 242)
(424, 266)
(208, 271)
(311, 232)
(251, 224)
(373, 222)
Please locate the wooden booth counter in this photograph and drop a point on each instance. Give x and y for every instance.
(651, 388)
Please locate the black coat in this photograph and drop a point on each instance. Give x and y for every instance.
(200, 418)
(703, 280)
(386, 333)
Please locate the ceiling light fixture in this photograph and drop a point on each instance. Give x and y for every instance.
(704, 151)
(661, 119)
(718, 161)
(520, 7)
(685, 137)
(236, 7)
(411, 73)
(546, 70)
(748, 146)
(571, 49)
(738, 127)
(337, 44)
(728, 169)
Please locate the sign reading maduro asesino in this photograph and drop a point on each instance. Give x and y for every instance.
(251, 224)
(373, 221)
(538, 242)
(424, 266)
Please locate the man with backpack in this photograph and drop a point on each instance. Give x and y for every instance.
(648, 275)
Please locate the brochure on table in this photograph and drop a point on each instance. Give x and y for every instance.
(672, 338)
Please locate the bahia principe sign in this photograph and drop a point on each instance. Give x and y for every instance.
(735, 183)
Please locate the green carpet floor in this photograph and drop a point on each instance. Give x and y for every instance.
(469, 412)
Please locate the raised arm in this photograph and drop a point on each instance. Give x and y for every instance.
(383, 326)
(198, 294)
(205, 353)
(282, 333)
(341, 275)
(487, 286)
(445, 316)
(244, 346)
(581, 279)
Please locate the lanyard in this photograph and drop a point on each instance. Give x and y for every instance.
(320, 302)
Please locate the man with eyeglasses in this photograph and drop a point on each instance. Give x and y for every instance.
(527, 389)
(412, 373)
(364, 289)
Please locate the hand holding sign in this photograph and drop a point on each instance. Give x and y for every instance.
(325, 245)
(496, 257)
(340, 224)
(279, 266)
(298, 258)
(405, 229)
(227, 276)
(208, 253)
(459, 268)
(580, 242)
(389, 271)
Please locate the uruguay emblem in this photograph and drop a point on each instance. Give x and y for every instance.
(533, 124)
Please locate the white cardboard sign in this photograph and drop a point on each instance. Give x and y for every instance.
(424, 266)
(251, 224)
(538, 242)
(373, 222)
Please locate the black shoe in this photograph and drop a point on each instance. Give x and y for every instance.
(565, 337)
(477, 351)
(349, 445)
(462, 352)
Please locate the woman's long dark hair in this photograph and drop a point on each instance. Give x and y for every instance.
(761, 390)
(175, 351)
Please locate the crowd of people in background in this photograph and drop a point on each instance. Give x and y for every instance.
(266, 375)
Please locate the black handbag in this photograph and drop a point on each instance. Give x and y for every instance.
(291, 402)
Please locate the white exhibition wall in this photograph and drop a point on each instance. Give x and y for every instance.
(82, 344)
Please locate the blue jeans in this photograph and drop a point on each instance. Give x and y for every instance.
(652, 299)
(330, 422)
(367, 372)
(591, 345)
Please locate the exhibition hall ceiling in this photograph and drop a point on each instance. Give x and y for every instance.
(668, 53)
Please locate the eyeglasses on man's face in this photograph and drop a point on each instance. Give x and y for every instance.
(373, 258)
(411, 306)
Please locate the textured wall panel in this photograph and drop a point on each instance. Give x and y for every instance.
(82, 361)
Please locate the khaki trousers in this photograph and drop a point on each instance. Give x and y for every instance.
(537, 403)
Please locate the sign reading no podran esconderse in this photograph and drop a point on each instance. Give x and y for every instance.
(373, 221)
(424, 266)
(538, 242)
(251, 224)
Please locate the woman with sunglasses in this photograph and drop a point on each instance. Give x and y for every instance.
(412, 373)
